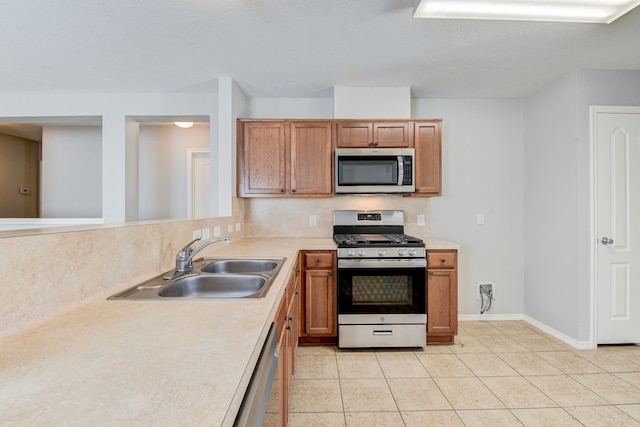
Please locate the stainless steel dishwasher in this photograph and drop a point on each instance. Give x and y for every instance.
(255, 399)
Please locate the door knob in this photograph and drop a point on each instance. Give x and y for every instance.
(606, 241)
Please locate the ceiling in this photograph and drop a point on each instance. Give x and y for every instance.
(292, 48)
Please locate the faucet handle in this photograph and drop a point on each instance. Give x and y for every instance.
(185, 252)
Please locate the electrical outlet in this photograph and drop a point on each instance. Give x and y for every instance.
(230, 228)
(196, 233)
(206, 233)
(216, 231)
(237, 226)
(421, 220)
(313, 220)
(489, 287)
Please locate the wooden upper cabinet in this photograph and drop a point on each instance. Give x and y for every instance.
(284, 158)
(427, 141)
(262, 158)
(311, 172)
(294, 158)
(351, 134)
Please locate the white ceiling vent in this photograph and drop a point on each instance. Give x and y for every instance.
(371, 102)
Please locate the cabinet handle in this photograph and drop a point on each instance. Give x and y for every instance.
(282, 190)
(293, 190)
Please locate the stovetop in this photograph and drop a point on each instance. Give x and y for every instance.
(357, 240)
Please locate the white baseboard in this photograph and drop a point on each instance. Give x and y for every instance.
(580, 345)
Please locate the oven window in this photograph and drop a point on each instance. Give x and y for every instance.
(381, 290)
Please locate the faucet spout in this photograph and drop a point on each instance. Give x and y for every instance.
(189, 261)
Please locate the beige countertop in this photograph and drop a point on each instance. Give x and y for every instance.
(146, 363)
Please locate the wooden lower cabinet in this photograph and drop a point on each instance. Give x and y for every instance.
(277, 413)
(442, 296)
(319, 306)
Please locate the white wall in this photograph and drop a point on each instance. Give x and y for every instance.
(290, 108)
(482, 173)
(163, 168)
(71, 172)
(558, 195)
(551, 207)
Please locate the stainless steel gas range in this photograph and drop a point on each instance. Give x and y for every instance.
(381, 281)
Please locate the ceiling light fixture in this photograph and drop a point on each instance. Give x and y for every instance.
(586, 11)
(184, 125)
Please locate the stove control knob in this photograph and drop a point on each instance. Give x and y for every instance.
(382, 252)
(402, 252)
(351, 252)
(362, 252)
(412, 252)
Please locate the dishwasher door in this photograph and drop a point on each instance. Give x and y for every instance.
(255, 399)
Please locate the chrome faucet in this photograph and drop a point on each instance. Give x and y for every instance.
(184, 258)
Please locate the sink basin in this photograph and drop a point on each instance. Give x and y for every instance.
(242, 266)
(232, 286)
(210, 278)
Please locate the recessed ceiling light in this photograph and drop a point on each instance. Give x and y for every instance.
(588, 11)
(184, 124)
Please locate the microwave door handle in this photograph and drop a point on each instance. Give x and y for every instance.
(400, 170)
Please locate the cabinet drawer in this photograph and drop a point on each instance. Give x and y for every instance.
(318, 260)
(441, 259)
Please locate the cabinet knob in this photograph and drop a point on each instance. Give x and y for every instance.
(291, 318)
(282, 190)
(431, 273)
(331, 273)
(297, 292)
(288, 328)
(297, 270)
(442, 260)
(293, 190)
(319, 260)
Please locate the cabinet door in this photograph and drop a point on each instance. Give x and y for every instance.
(373, 134)
(354, 134)
(320, 303)
(263, 158)
(391, 134)
(311, 159)
(442, 302)
(427, 141)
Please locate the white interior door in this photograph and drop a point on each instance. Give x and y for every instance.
(199, 188)
(617, 200)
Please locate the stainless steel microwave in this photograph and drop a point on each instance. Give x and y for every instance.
(374, 170)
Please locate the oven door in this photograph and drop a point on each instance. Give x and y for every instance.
(374, 286)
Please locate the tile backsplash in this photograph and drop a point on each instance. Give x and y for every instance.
(291, 216)
(44, 275)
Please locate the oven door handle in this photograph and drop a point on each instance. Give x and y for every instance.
(383, 263)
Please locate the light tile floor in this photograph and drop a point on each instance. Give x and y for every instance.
(505, 373)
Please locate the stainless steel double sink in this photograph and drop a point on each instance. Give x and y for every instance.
(210, 278)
